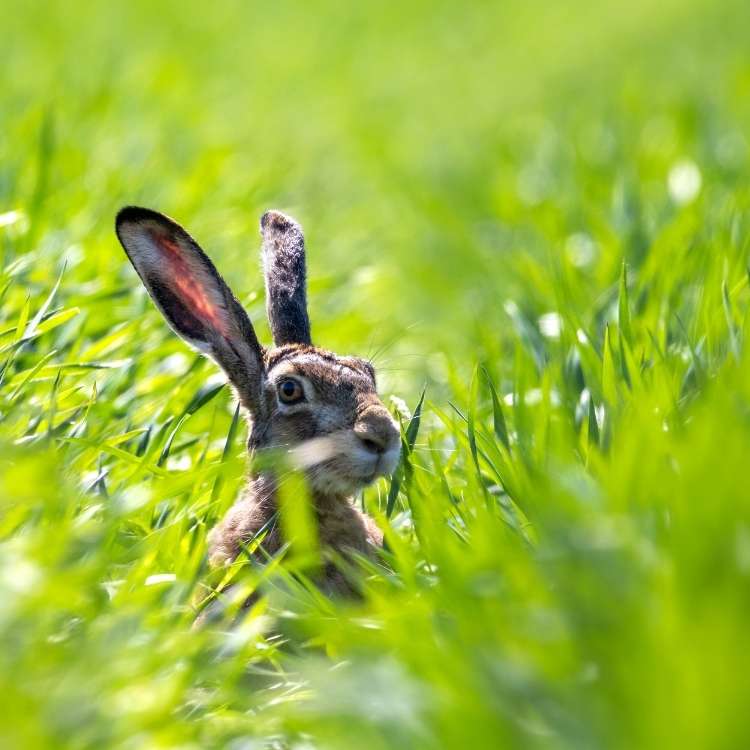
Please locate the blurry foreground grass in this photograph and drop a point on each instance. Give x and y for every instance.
(540, 211)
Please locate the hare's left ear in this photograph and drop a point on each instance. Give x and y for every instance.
(286, 279)
(192, 296)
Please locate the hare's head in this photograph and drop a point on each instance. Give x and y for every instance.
(321, 407)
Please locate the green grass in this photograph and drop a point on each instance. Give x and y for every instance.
(540, 213)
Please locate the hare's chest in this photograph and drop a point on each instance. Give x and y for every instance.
(344, 528)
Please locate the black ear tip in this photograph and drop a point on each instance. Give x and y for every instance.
(274, 219)
(276, 222)
(136, 214)
(128, 215)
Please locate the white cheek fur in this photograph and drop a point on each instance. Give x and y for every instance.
(342, 447)
(390, 459)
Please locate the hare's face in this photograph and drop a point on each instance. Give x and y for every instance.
(325, 410)
(322, 408)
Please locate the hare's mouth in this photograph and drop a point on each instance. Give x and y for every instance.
(371, 467)
(369, 478)
(343, 474)
(384, 466)
(388, 462)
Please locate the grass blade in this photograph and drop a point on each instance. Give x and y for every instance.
(734, 342)
(228, 443)
(407, 446)
(498, 418)
(623, 307)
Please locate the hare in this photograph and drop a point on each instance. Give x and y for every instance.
(322, 407)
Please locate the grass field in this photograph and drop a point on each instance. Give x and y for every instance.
(539, 213)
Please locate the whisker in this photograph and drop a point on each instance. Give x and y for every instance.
(413, 371)
(385, 347)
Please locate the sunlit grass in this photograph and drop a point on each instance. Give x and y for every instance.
(537, 215)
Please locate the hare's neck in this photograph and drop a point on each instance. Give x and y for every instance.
(268, 486)
(328, 502)
(340, 524)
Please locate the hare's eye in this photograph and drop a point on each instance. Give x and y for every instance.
(290, 391)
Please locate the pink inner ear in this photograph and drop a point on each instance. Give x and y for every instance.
(183, 279)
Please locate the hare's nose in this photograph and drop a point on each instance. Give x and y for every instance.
(372, 443)
(376, 431)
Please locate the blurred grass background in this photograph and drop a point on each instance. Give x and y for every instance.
(538, 210)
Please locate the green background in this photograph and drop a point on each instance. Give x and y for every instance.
(543, 202)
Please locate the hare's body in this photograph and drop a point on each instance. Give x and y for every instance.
(341, 527)
(322, 409)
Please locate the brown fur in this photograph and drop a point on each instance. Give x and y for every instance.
(341, 527)
(339, 432)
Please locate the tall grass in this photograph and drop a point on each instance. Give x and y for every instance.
(536, 213)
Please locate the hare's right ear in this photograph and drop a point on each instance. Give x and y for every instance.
(286, 278)
(194, 299)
